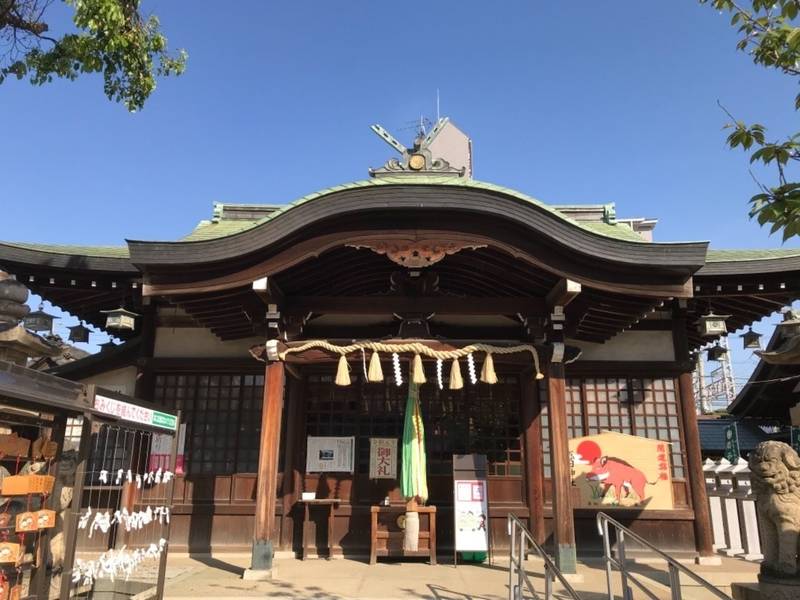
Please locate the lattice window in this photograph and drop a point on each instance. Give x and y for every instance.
(481, 418)
(643, 407)
(572, 396)
(655, 409)
(222, 413)
(545, 419)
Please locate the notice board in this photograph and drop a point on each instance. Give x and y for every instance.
(330, 454)
(470, 503)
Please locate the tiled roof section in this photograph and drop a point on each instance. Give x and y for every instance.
(97, 251)
(621, 231)
(207, 230)
(222, 225)
(712, 434)
(737, 255)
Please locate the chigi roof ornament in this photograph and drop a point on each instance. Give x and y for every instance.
(443, 151)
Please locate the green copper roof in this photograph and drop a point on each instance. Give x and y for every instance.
(221, 228)
(207, 230)
(734, 255)
(98, 251)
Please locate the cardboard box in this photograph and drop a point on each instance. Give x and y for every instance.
(21, 485)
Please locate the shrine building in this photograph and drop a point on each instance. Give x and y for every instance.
(260, 327)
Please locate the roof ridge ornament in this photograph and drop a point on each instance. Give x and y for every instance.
(417, 160)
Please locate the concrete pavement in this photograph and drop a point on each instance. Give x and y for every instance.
(219, 576)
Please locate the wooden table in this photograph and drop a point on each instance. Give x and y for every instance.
(388, 540)
(331, 504)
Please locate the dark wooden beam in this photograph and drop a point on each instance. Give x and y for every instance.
(382, 305)
(268, 290)
(564, 292)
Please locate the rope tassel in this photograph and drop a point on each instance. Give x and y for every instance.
(488, 374)
(417, 371)
(375, 373)
(456, 381)
(343, 372)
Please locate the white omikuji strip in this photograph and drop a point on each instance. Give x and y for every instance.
(150, 478)
(115, 563)
(129, 520)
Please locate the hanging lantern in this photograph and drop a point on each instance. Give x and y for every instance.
(39, 321)
(79, 333)
(711, 325)
(107, 345)
(716, 353)
(751, 340)
(120, 319)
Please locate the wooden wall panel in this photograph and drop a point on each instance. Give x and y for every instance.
(244, 488)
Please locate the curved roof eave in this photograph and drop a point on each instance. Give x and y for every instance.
(455, 195)
(68, 258)
(750, 262)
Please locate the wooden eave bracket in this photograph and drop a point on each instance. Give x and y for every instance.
(564, 292)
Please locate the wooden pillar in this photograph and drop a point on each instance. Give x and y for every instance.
(694, 467)
(703, 537)
(530, 416)
(563, 518)
(263, 550)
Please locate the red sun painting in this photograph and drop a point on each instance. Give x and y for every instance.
(588, 451)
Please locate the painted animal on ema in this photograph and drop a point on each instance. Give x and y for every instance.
(610, 471)
(615, 472)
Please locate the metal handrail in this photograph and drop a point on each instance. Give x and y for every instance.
(627, 577)
(521, 542)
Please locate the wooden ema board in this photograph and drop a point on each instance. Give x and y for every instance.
(10, 553)
(20, 485)
(13, 445)
(33, 521)
(614, 470)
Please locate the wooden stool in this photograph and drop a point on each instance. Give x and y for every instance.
(390, 543)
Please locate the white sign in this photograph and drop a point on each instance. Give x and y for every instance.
(471, 515)
(383, 458)
(134, 413)
(330, 454)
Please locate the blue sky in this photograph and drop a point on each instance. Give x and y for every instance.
(568, 102)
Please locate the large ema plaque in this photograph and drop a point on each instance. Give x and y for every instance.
(330, 454)
(615, 470)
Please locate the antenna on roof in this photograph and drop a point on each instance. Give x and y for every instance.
(437, 105)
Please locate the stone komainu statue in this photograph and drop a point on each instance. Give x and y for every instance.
(775, 477)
